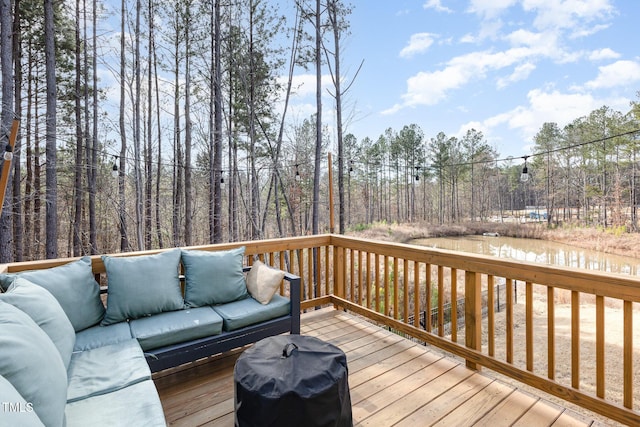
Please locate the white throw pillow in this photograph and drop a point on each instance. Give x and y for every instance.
(263, 281)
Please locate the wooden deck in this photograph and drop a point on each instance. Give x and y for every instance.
(393, 381)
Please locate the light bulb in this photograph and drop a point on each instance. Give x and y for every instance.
(8, 153)
(524, 176)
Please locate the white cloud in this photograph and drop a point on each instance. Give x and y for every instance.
(437, 6)
(429, 88)
(570, 14)
(602, 54)
(520, 73)
(490, 8)
(549, 106)
(620, 73)
(418, 43)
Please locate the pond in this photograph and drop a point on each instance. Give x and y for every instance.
(540, 251)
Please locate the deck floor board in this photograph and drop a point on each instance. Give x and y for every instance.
(393, 381)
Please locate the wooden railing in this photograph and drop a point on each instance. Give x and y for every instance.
(563, 317)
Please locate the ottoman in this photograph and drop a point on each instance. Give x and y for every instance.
(292, 380)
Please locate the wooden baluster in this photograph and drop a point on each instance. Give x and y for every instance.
(440, 301)
(454, 305)
(491, 321)
(473, 313)
(376, 266)
(529, 325)
(395, 288)
(416, 294)
(551, 333)
(509, 284)
(368, 279)
(386, 285)
(600, 340)
(427, 303)
(405, 297)
(628, 354)
(575, 339)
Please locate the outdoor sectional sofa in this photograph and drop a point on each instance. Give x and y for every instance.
(66, 359)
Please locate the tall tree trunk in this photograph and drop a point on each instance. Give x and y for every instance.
(18, 228)
(316, 172)
(93, 171)
(29, 185)
(137, 136)
(188, 190)
(78, 190)
(51, 137)
(177, 149)
(216, 159)
(6, 120)
(122, 217)
(148, 183)
(159, 158)
(337, 81)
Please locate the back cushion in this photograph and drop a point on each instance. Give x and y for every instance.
(45, 310)
(32, 364)
(142, 285)
(73, 285)
(213, 277)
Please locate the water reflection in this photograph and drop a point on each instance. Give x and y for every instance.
(540, 251)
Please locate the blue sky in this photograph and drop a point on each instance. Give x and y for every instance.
(500, 66)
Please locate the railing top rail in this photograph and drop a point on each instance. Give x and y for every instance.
(591, 282)
(253, 247)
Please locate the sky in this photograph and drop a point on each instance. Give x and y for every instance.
(503, 67)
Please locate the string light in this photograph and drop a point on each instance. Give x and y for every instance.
(524, 176)
(8, 153)
(297, 173)
(114, 169)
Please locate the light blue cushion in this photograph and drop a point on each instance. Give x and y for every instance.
(239, 314)
(44, 309)
(136, 405)
(213, 277)
(14, 410)
(142, 285)
(106, 369)
(32, 364)
(175, 326)
(75, 288)
(99, 336)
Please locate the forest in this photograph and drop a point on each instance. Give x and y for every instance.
(153, 124)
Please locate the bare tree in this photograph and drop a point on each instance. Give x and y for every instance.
(51, 214)
(6, 57)
(122, 216)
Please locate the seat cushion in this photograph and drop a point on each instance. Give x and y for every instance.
(15, 411)
(213, 277)
(136, 405)
(32, 364)
(106, 369)
(263, 281)
(73, 285)
(248, 311)
(142, 285)
(45, 310)
(99, 336)
(175, 327)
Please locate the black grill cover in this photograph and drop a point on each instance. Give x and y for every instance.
(292, 380)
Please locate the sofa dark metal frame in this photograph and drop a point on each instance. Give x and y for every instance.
(190, 351)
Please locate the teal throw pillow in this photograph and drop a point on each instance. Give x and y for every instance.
(32, 364)
(45, 310)
(213, 277)
(73, 285)
(142, 285)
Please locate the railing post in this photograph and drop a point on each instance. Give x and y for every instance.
(338, 271)
(472, 313)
